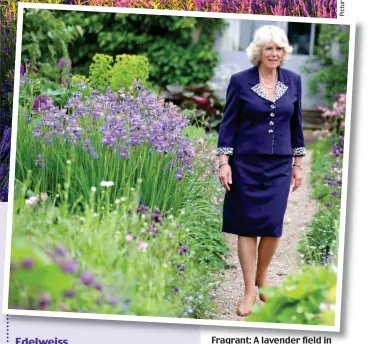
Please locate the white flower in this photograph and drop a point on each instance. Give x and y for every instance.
(93, 189)
(68, 162)
(142, 246)
(107, 184)
(182, 212)
(44, 196)
(323, 307)
(33, 200)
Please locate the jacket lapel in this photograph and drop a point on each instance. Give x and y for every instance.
(281, 85)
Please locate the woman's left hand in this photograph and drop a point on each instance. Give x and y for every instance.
(296, 177)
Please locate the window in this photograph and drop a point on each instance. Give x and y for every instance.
(302, 37)
(239, 33)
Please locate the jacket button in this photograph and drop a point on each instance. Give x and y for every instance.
(272, 114)
(271, 123)
(272, 106)
(270, 131)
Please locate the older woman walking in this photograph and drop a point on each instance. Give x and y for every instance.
(260, 150)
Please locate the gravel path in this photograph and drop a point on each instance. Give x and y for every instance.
(300, 211)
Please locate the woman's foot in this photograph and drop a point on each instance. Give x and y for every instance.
(245, 307)
(262, 281)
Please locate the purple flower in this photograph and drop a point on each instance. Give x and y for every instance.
(28, 263)
(42, 103)
(64, 62)
(113, 300)
(87, 277)
(70, 266)
(157, 218)
(175, 289)
(183, 250)
(61, 250)
(39, 161)
(4, 192)
(98, 286)
(44, 301)
(327, 205)
(180, 267)
(69, 293)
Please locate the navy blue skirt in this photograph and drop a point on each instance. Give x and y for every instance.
(256, 203)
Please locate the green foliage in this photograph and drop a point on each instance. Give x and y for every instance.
(180, 49)
(330, 72)
(45, 275)
(319, 243)
(306, 297)
(100, 71)
(45, 40)
(41, 86)
(128, 68)
(78, 78)
(119, 245)
(321, 165)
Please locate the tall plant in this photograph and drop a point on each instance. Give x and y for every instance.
(45, 42)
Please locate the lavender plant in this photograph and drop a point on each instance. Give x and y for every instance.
(4, 162)
(113, 136)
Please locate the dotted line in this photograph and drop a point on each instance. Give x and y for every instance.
(7, 329)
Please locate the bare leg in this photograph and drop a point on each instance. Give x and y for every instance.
(266, 249)
(247, 252)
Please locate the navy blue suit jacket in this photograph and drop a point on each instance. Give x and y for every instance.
(254, 124)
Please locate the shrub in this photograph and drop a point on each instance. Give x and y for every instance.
(100, 71)
(180, 50)
(45, 40)
(122, 74)
(127, 69)
(78, 78)
(307, 297)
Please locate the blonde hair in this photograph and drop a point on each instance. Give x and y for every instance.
(265, 35)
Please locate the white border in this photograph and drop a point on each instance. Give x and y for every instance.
(6, 310)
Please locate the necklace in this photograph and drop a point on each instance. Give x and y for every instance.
(269, 87)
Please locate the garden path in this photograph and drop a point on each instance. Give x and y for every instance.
(300, 211)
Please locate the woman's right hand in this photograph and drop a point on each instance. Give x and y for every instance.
(225, 176)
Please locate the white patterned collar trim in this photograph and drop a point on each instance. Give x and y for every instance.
(281, 88)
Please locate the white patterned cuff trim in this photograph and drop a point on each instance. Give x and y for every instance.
(224, 150)
(299, 151)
